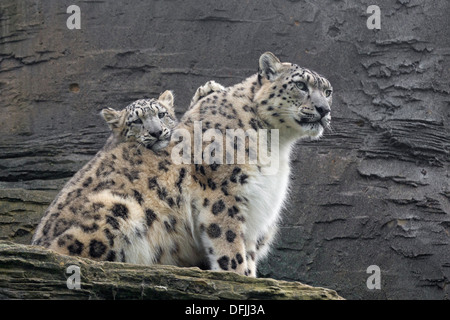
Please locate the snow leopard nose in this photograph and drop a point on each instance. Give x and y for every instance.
(323, 111)
(156, 134)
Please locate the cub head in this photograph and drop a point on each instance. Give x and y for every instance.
(293, 99)
(149, 122)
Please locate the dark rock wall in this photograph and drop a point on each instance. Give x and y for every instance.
(375, 191)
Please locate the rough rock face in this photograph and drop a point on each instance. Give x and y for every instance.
(29, 272)
(375, 191)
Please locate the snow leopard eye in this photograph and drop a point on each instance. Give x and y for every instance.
(137, 121)
(162, 115)
(302, 86)
(328, 93)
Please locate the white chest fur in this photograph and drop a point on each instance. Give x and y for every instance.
(266, 195)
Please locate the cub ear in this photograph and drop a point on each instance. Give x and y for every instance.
(269, 66)
(167, 98)
(111, 117)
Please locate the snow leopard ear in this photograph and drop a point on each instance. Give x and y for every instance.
(269, 66)
(112, 117)
(167, 98)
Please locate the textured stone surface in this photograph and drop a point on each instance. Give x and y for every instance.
(29, 272)
(375, 191)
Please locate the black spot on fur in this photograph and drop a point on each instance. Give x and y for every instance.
(214, 166)
(224, 187)
(243, 179)
(163, 165)
(233, 177)
(170, 202)
(218, 207)
(76, 247)
(162, 193)
(87, 182)
(211, 184)
(111, 256)
(233, 211)
(104, 185)
(120, 210)
(255, 124)
(105, 169)
(180, 178)
(89, 229)
(110, 237)
(96, 248)
(131, 174)
(150, 216)
(230, 235)
(152, 183)
(138, 196)
(224, 262)
(239, 258)
(233, 264)
(170, 225)
(60, 226)
(113, 222)
(205, 202)
(214, 231)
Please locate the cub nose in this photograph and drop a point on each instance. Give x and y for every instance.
(156, 134)
(323, 111)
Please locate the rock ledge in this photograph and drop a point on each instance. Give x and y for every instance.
(31, 272)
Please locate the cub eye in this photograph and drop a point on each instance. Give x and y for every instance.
(162, 115)
(302, 86)
(328, 93)
(137, 121)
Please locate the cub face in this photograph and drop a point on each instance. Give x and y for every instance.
(293, 97)
(149, 122)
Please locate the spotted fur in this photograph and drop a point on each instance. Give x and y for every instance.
(141, 207)
(208, 88)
